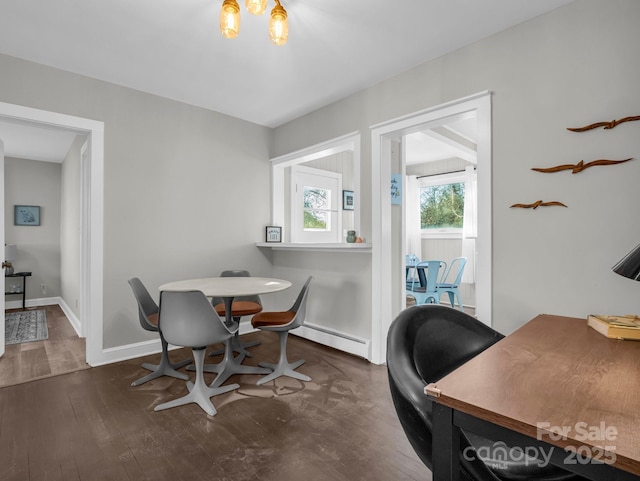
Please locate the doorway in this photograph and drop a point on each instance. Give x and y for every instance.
(387, 228)
(91, 224)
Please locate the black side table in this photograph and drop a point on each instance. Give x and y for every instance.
(24, 276)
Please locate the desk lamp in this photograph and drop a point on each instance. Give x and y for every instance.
(10, 254)
(629, 266)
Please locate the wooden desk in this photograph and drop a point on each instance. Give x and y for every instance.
(553, 374)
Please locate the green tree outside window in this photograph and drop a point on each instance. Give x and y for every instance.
(442, 206)
(316, 206)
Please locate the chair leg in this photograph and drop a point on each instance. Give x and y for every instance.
(457, 294)
(199, 392)
(283, 367)
(238, 346)
(454, 296)
(165, 368)
(231, 365)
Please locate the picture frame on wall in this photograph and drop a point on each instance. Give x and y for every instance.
(348, 200)
(26, 215)
(273, 233)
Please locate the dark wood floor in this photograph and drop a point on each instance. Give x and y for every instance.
(63, 352)
(92, 425)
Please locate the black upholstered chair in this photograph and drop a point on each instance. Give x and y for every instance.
(424, 344)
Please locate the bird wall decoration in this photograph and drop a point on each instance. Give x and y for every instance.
(539, 203)
(605, 125)
(580, 166)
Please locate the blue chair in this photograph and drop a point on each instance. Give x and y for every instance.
(452, 288)
(410, 261)
(424, 289)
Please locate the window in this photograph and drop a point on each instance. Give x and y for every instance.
(442, 205)
(315, 208)
(307, 191)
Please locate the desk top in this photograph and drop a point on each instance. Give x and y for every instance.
(229, 286)
(556, 373)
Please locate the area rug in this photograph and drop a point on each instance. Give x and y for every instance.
(25, 326)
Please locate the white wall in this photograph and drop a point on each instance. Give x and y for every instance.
(70, 227)
(186, 189)
(30, 182)
(571, 67)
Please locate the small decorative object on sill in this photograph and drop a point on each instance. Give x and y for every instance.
(358, 240)
(606, 125)
(580, 166)
(351, 236)
(539, 203)
(273, 233)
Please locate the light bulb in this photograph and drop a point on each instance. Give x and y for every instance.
(230, 19)
(256, 7)
(278, 25)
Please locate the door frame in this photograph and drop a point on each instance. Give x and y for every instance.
(383, 256)
(92, 224)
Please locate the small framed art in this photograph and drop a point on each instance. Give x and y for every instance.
(348, 202)
(273, 233)
(26, 215)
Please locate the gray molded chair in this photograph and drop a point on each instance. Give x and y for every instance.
(282, 323)
(240, 307)
(424, 344)
(188, 319)
(148, 315)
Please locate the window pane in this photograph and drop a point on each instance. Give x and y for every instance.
(442, 206)
(317, 202)
(316, 198)
(318, 220)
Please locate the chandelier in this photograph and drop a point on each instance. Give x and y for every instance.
(230, 19)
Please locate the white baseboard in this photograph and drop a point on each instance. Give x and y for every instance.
(322, 335)
(50, 301)
(336, 339)
(328, 337)
(73, 319)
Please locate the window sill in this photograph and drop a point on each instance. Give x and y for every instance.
(362, 247)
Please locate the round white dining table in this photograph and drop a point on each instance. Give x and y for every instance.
(228, 288)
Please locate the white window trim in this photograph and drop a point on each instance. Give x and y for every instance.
(279, 164)
(297, 227)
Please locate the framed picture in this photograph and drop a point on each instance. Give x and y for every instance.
(347, 200)
(274, 233)
(26, 215)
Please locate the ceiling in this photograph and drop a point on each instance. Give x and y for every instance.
(173, 48)
(457, 138)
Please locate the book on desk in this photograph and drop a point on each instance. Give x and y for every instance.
(616, 327)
